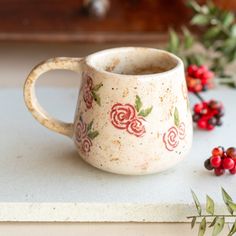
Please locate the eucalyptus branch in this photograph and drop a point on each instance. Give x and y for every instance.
(218, 220)
(212, 216)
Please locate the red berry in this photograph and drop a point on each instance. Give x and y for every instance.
(203, 68)
(191, 69)
(228, 163)
(198, 73)
(231, 152)
(210, 127)
(202, 123)
(216, 161)
(198, 108)
(217, 151)
(219, 171)
(233, 170)
(209, 74)
(197, 88)
(204, 80)
(208, 165)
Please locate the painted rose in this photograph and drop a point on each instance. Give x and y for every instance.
(87, 96)
(136, 127)
(89, 82)
(86, 144)
(81, 131)
(182, 132)
(122, 114)
(171, 139)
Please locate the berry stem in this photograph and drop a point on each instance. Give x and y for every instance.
(199, 96)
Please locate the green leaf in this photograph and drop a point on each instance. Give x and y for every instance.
(213, 222)
(202, 227)
(219, 225)
(232, 205)
(96, 98)
(188, 38)
(176, 117)
(197, 203)
(233, 229)
(194, 5)
(212, 32)
(145, 112)
(138, 103)
(93, 134)
(200, 19)
(210, 206)
(233, 31)
(97, 87)
(173, 41)
(228, 45)
(205, 9)
(89, 127)
(228, 19)
(227, 199)
(193, 222)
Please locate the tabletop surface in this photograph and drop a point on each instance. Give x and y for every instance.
(43, 178)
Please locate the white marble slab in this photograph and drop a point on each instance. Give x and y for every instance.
(43, 179)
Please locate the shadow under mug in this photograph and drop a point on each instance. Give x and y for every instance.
(132, 116)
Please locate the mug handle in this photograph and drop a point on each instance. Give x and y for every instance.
(30, 96)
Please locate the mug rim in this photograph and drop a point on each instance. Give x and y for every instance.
(89, 58)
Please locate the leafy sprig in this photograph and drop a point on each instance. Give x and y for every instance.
(138, 105)
(217, 36)
(217, 221)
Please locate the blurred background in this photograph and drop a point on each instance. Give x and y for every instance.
(34, 30)
(93, 20)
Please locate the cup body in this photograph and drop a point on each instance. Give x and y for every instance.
(133, 115)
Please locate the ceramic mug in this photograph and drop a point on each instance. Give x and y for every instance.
(132, 116)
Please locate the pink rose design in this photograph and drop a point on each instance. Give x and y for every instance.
(171, 139)
(86, 144)
(136, 127)
(182, 131)
(87, 91)
(88, 97)
(89, 82)
(122, 114)
(81, 131)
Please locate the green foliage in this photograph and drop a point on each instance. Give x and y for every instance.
(97, 87)
(210, 206)
(96, 98)
(218, 226)
(93, 134)
(217, 221)
(138, 106)
(138, 103)
(89, 127)
(202, 227)
(197, 203)
(219, 32)
(145, 112)
(218, 37)
(176, 117)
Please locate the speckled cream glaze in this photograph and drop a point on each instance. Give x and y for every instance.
(153, 135)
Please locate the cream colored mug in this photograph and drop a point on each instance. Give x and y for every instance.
(132, 115)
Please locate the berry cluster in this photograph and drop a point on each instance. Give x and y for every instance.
(208, 114)
(199, 78)
(222, 160)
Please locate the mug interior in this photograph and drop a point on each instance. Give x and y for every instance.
(133, 61)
